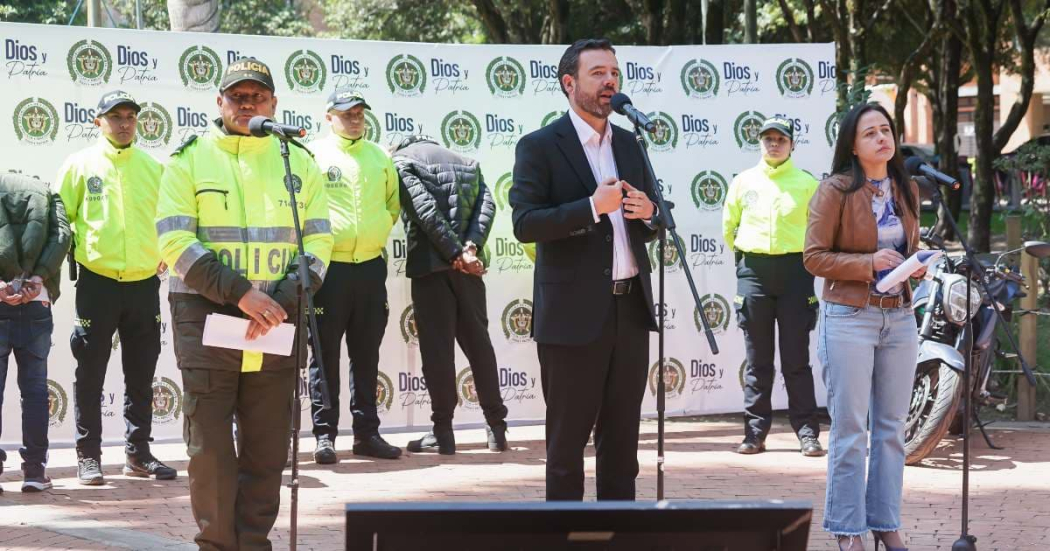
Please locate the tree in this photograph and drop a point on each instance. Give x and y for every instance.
(852, 22)
(412, 21)
(981, 32)
(194, 15)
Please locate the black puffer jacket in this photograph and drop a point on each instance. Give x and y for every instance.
(34, 232)
(444, 204)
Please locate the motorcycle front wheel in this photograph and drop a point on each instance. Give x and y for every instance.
(935, 397)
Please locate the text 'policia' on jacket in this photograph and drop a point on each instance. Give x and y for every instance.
(362, 196)
(110, 196)
(225, 226)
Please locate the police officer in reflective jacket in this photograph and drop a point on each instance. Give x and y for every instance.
(225, 227)
(110, 194)
(764, 220)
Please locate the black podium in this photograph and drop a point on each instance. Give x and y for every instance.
(555, 526)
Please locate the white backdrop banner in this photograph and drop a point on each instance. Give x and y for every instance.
(708, 103)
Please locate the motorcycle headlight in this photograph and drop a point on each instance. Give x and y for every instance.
(955, 300)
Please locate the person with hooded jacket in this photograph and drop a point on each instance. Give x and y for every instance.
(448, 212)
(34, 238)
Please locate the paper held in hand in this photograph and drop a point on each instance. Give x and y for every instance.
(901, 273)
(228, 332)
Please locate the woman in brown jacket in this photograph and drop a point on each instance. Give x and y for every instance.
(863, 222)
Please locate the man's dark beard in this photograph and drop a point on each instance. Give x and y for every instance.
(592, 104)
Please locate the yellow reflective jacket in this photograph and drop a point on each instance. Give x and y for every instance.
(225, 225)
(766, 209)
(110, 196)
(363, 200)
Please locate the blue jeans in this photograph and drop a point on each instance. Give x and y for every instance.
(869, 366)
(26, 330)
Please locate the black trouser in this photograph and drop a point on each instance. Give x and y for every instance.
(351, 302)
(597, 386)
(777, 290)
(235, 494)
(132, 311)
(449, 308)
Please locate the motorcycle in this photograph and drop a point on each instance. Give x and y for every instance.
(940, 305)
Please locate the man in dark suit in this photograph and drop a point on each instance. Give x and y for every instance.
(580, 193)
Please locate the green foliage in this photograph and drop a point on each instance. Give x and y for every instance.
(403, 20)
(264, 17)
(50, 12)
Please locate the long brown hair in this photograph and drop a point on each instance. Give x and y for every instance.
(846, 163)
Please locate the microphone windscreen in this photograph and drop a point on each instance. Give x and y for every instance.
(256, 126)
(912, 164)
(618, 100)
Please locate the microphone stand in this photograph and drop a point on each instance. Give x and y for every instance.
(303, 290)
(967, 542)
(667, 224)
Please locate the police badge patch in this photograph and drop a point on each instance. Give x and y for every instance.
(94, 184)
(334, 174)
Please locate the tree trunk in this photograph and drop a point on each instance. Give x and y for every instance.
(677, 20)
(200, 16)
(983, 196)
(948, 103)
(716, 22)
(559, 31)
(653, 21)
(495, 26)
(750, 22)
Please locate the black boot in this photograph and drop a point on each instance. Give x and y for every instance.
(375, 446)
(145, 466)
(443, 440)
(497, 436)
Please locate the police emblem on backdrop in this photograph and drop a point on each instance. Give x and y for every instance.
(466, 391)
(461, 132)
(517, 321)
(505, 77)
(831, 129)
(200, 68)
(305, 72)
(35, 121)
(747, 129)
(372, 128)
(384, 392)
(154, 125)
(409, 332)
(406, 76)
(167, 400)
(709, 190)
(551, 117)
(665, 137)
(700, 79)
(671, 259)
(94, 185)
(57, 404)
(795, 78)
(89, 63)
(674, 378)
(716, 310)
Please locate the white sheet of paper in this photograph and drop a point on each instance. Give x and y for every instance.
(901, 273)
(228, 332)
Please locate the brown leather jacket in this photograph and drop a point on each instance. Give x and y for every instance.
(841, 238)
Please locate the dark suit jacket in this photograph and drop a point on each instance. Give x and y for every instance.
(572, 287)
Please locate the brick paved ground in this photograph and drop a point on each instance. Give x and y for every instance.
(1010, 508)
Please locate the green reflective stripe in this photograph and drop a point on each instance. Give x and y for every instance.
(234, 234)
(176, 223)
(317, 266)
(316, 225)
(192, 254)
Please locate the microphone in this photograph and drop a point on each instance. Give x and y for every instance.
(261, 126)
(917, 167)
(622, 105)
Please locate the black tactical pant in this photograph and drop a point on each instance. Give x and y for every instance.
(235, 493)
(776, 290)
(450, 308)
(352, 303)
(132, 311)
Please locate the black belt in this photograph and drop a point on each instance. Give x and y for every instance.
(622, 286)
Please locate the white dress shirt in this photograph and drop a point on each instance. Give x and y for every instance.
(599, 152)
